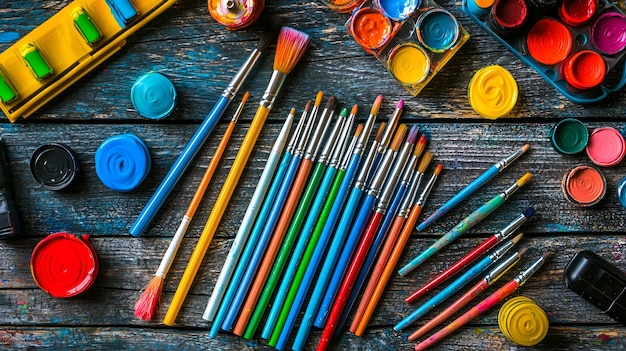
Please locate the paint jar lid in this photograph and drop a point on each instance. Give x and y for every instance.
(549, 41)
(609, 32)
(606, 147)
(523, 321)
(584, 70)
(64, 265)
(122, 162)
(153, 95)
(569, 136)
(437, 29)
(55, 166)
(492, 92)
(621, 192)
(584, 185)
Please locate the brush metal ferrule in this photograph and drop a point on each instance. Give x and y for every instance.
(427, 189)
(496, 255)
(523, 277)
(339, 149)
(382, 172)
(306, 133)
(365, 134)
(233, 86)
(505, 162)
(510, 191)
(282, 135)
(409, 170)
(511, 227)
(502, 268)
(343, 164)
(322, 127)
(332, 142)
(296, 134)
(394, 177)
(389, 129)
(362, 178)
(411, 191)
(273, 88)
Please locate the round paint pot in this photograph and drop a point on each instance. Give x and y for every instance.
(342, 5)
(621, 192)
(370, 28)
(569, 136)
(577, 12)
(409, 64)
(398, 10)
(606, 147)
(122, 162)
(584, 70)
(522, 321)
(492, 92)
(609, 32)
(235, 14)
(541, 8)
(508, 16)
(584, 185)
(479, 8)
(437, 29)
(64, 265)
(153, 96)
(54, 166)
(549, 41)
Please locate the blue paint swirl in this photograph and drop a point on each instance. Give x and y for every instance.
(438, 30)
(9, 37)
(398, 10)
(153, 96)
(122, 162)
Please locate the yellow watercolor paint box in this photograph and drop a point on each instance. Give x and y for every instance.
(67, 46)
(414, 39)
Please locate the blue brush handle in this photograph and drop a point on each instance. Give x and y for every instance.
(180, 165)
(264, 240)
(452, 288)
(365, 212)
(250, 244)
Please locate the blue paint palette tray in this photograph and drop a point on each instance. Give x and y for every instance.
(414, 39)
(578, 52)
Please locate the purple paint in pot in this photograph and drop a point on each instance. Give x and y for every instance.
(609, 32)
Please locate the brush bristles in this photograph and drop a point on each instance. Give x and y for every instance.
(413, 134)
(268, 37)
(376, 106)
(359, 130)
(292, 111)
(517, 238)
(148, 301)
(524, 179)
(525, 147)
(397, 139)
(380, 132)
(420, 146)
(331, 103)
(355, 110)
(428, 156)
(245, 97)
(344, 112)
(400, 105)
(319, 97)
(523, 251)
(290, 48)
(529, 212)
(438, 169)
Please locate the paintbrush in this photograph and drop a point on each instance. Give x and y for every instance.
(290, 48)
(194, 145)
(248, 219)
(255, 233)
(146, 306)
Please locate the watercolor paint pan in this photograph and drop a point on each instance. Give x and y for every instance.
(575, 54)
(412, 39)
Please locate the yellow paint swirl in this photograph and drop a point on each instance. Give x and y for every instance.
(492, 92)
(409, 64)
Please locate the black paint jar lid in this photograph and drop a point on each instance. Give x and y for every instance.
(54, 166)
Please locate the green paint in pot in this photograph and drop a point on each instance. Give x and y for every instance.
(569, 136)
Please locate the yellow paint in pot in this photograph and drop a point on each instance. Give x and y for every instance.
(409, 64)
(492, 92)
(523, 321)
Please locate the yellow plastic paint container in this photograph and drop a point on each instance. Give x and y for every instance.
(492, 92)
(523, 321)
(409, 64)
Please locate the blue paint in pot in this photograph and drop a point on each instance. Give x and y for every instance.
(398, 10)
(621, 192)
(122, 162)
(438, 30)
(153, 96)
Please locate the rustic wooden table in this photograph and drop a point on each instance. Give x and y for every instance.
(200, 56)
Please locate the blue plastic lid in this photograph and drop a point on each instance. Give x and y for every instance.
(153, 96)
(122, 162)
(621, 191)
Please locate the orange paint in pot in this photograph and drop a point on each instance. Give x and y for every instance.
(584, 185)
(370, 28)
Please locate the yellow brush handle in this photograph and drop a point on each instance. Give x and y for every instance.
(216, 214)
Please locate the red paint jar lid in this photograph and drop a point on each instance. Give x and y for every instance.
(606, 147)
(549, 41)
(64, 265)
(584, 70)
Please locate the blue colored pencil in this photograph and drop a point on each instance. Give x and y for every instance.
(256, 230)
(473, 186)
(457, 284)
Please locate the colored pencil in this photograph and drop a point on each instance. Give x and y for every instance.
(503, 234)
(474, 291)
(466, 224)
(291, 222)
(250, 215)
(267, 227)
(290, 48)
(323, 193)
(457, 284)
(146, 306)
(473, 186)
(255, 233)
(382, 231)
(196, 142)
(410, 215)
(486, 304)
(359, 225)
(338, 238)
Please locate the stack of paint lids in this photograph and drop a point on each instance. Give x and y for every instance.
(414, 39)
(572, 44)
(236, 14)
(523, 321)
(585, 185)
